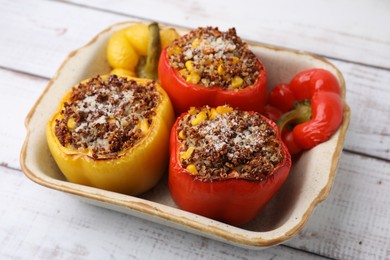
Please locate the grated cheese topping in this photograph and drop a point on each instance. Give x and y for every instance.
(236, 144)
(103, 116)
(209, 57)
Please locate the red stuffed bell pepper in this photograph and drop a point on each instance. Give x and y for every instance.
(209, 67)
(226, 164)
(312, 109)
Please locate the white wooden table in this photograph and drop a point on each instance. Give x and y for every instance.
(353, 223)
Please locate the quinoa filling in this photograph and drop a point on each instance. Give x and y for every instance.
(106, 116)
(209, 57)
(224, 143)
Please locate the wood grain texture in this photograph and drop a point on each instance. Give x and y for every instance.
(18, 94)
(368, 95)
(32, 44)
(353, 223)
(311, 25)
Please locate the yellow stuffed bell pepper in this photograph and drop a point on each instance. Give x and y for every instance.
(112, 133)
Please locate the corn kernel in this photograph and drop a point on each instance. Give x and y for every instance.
(237, 82)
(143, 125)
(187, 154)
(235, 60)
(201, 116)
(184, 73)
(213, 114)
(196, 43)
(71, 124)
(220, 69)
(193, 78)
(192, 169)
(224, 109)
(192, 111)
(189, 65)
(174, 50)
(181, 135)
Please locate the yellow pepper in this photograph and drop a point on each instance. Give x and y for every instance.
(133, 170)
(136, 49)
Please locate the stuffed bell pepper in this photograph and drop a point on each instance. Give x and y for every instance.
(226, 164)
(210, 67)
(112, 133)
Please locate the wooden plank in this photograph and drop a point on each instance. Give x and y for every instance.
(316, 26)
(368, 95)
(354, 222)
(49, 43)
(38, 37)
(38, 223)
(18, 94)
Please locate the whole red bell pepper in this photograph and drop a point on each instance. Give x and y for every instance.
(185, 95)
(312, 107)
(231, 200)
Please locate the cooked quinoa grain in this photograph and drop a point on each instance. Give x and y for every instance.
(107, 116)
(209, 58)
(226, 143)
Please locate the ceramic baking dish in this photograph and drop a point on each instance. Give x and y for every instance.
(308, 184)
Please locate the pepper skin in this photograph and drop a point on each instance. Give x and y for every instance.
(185, 95)
(133, 171)
(234, 201)
(135, 50)
(318, 110)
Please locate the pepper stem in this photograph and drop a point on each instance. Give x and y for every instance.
(147, 66)
(299, 114)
